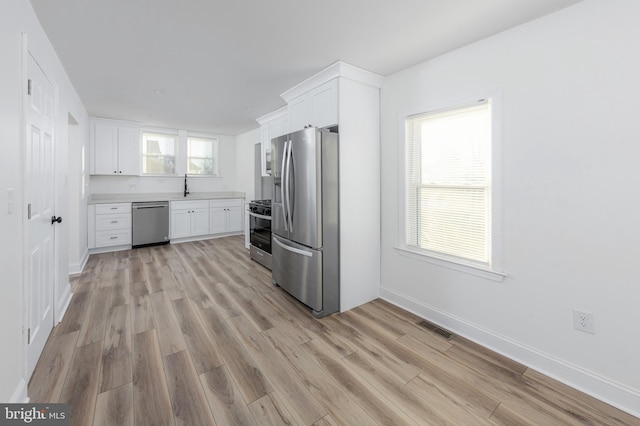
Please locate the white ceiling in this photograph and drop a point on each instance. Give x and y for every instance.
(215, 66)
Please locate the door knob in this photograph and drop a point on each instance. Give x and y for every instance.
(56, 219)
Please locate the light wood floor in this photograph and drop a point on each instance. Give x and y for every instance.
(196, 334)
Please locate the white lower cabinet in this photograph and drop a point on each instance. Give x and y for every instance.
(109, 225)
(225, 216)
(189, 218)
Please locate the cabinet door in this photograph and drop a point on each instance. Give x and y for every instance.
(324, 104)
(105, 149)
(180, 223)
(265, 150)
(234, 216)
(218, 220)
(299, 113)
(128, 151)
(199, 221)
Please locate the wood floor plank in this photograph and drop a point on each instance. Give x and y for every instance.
(200, 344)
(221, 302)
(81, 386)
(485, 359)
(247, 302)
(269, 410)
(503, 415)
(251, 381)
(189, 404)
(580, 404)
(404, 370)
(73, 317)
(226, 402)
(193, 289)
(141, 313)
(93, 326)
(120, 294)
(323, 388)
(400, 395)
(166, 324)
(454, 379)
(453, 405)
(303, 406)
(52, 368)
(116, 355)
(115, 407)
(151, 402)
(369, 398)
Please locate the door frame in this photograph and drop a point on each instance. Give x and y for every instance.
(28, 50)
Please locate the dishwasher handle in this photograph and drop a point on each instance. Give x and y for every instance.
(152, 206)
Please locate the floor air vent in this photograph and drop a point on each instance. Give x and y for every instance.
(434, 328)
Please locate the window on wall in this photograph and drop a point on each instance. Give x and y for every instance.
(449, 192)
(159, 153)
(202, 156)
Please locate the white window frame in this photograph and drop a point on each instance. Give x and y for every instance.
(215, 154)
(165, 133)
(494, 271)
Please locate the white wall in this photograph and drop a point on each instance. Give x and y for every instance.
(146, 184)
(16, 18)
(570, 84)
(245, 167)
(78, 195)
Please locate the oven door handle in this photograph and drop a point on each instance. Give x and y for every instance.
(259, 216)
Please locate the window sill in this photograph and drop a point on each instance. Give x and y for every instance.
(470, 269)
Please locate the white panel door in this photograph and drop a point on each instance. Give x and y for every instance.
(40, 210)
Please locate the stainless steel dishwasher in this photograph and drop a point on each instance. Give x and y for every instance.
(150, 223)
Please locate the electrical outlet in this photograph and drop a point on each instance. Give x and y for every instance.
(583, 321)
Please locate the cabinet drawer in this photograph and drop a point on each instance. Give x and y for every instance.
(109, 222)
(113, 238)
(113, 208)
(232, 202)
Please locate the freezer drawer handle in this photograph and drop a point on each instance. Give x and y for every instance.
(294, 250)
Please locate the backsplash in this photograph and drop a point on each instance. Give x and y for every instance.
(148, 184)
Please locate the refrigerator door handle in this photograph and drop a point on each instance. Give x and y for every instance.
(293, 249)
(289, 177)
(284, 184)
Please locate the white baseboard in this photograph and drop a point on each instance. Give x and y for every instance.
(62, 303)
(76, 268)
(602, 388)
(20, 394)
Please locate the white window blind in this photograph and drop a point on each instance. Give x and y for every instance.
(448, 182)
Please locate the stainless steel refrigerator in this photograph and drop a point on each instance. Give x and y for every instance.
(304, 218)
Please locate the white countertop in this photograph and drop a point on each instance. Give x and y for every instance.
(130, 197)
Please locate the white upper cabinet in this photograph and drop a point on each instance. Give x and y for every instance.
(317, 107)
(272, 125)
(115, 147)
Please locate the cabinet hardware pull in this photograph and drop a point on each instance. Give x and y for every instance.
(113, 238)
(114, 221)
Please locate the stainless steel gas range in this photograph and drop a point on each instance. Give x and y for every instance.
(260, 231)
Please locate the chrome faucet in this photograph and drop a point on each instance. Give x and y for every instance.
(186, 189)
